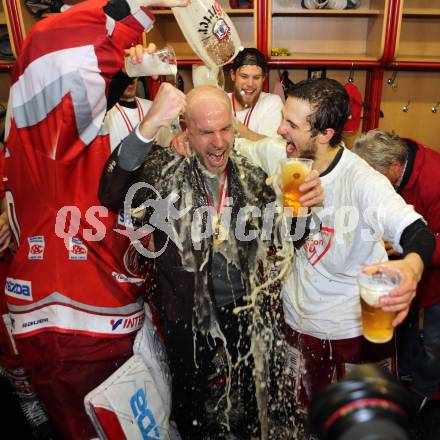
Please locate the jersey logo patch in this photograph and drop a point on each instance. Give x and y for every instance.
(36, 247)
(319, 244)
(20, 289)
(77, 249)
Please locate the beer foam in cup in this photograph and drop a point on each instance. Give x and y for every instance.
(373, 286)
(371, 297)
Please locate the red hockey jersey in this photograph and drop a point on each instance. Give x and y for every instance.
(72, 272)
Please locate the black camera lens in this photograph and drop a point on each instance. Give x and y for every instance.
(368, 404)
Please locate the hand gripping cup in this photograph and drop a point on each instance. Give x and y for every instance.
(161, 62)
(293, 173)
(376, 324)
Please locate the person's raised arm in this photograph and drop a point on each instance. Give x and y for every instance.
(124, 165)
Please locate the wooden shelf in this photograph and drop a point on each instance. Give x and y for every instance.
(324, 57)
(421, 12)
(418, 58)
(418, 37)
(328, 34)
(229, 11)
(312, 12)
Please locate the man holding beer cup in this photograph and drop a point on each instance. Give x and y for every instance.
(321, 295)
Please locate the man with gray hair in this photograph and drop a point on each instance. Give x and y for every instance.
(412, 169)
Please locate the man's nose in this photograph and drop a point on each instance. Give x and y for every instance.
(250, 82)
(218, 139)
(281, 129)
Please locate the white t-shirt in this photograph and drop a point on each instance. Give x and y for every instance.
(320, 294)
(121, 121)
(361, 208)
(265, 117)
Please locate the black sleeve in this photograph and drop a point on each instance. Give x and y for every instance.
(117, 86)
(117, 9)
(115, 182)
(418, 238)
(302, 227)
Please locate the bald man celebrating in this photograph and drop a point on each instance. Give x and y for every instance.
(209, 252)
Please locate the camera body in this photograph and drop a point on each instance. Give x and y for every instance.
(368, 404)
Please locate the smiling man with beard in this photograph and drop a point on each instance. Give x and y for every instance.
(361, 208)
(258, 113)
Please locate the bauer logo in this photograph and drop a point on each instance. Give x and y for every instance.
(144, 416)
(20, 289)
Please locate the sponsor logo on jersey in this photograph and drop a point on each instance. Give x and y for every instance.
(144, 416)
(127, 323)
(36, 247)
(124, 219)
(121, 278)
(34, 323)
(115, 324)
(319, 244)
(77, 249)
(20, 289)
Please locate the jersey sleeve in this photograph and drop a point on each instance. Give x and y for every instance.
(61, 77)
(265, 153)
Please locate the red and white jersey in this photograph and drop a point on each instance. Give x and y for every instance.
(72, 273)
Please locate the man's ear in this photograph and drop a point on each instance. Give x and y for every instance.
(232, 73)
(326, 136)
(396, 168)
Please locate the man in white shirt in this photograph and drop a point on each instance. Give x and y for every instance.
(126, 114)
(320, 295)
(258, 113)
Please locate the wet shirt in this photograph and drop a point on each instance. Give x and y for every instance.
(226, 279)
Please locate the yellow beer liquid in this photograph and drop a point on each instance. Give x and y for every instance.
(293, 175)
(376, 324)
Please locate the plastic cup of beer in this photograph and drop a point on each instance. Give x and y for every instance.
(377, 324)
(293, 173)
(161, 62)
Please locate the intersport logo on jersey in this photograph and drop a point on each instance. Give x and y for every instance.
(206, 223)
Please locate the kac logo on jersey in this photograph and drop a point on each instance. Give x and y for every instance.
(36, 247)
(144, 416)
(20, 289)
(77, 249)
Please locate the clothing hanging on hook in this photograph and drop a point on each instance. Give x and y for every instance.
(351, 74)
